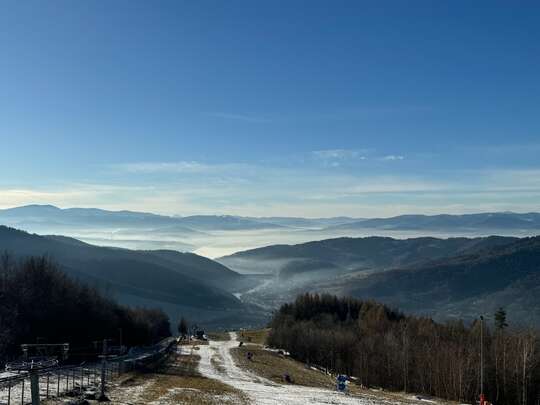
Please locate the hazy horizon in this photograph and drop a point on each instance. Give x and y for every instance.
(224, 214)
(214, 239)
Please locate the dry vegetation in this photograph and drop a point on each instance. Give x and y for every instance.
(258, 336)
(192, 342)
(219, 336)
(273, 366)
(177, 382)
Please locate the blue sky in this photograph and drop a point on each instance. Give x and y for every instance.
(311, 108)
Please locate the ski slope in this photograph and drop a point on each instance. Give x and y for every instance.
(261, 391)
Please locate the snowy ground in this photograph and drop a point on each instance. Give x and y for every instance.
(217, 363)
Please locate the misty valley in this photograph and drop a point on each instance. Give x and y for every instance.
(269, 202)
(148, 291)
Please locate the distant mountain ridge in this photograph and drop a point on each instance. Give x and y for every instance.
(42, 214)
(94, 217)
(480, 221)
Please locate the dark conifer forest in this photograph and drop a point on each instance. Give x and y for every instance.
(385, 348)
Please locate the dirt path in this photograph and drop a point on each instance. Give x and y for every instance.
(216, 362)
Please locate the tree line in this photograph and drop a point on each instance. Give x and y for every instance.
(385, 348)
(39, 301)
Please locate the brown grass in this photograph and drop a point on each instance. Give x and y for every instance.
(274, 366)
(219, 336)
(178, 382)
(193, 342)
(254, 336)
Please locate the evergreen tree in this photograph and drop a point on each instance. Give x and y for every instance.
(500, 319)
(183, 327)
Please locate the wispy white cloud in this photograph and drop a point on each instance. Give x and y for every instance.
(239, 117)
(162, 167)
(330, 154)
(393, 157)
(339, 157)
(373, 111)
(173, 167)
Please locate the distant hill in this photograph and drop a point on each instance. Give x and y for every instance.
(43, 217)
(496, 221)
(40, 217)
(299, 222)
(442, 278)
(185, 279)
(464, 286)
(224, 222)
(353, 254)
(89, 217)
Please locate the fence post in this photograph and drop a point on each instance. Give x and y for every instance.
(9, 393)
(22, 393)
(58, 385)
(103, 378)
(103, 371)
(34, 387)
(47, 392)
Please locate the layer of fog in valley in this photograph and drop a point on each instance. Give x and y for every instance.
(215, 244)
(215, 236)
(219, 243)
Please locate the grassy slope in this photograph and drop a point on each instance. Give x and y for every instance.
(254, 336)
(273, 366)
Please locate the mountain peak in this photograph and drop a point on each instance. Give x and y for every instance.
(33, 207)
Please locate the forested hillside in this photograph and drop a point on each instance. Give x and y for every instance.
(464, 285)
(385, 348)
(354, 254)
(170, 277)
(37, 300)
(178, 283)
